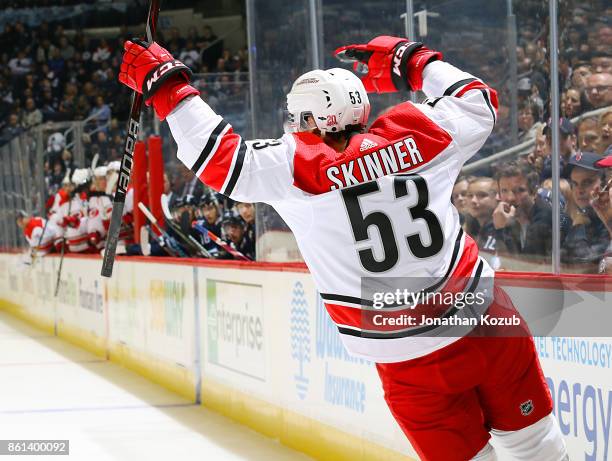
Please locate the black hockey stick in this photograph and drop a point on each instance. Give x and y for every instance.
(148, 233)
(177, 251)
(127, 159)
(221, 243)
(186, 238)
(63, 251)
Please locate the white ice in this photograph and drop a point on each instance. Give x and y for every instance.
(50, 389)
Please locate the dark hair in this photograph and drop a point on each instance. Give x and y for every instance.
(536, 113)
(349, 131)
(519, 168)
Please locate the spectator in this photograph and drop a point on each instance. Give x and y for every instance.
(571, 103)
(68, 160)
(11, 130)
(101, 147)
(21, 64)
(57, 174)
(192, 187)
(56, 62)
(588, 137)
(588, 237)
(32, 116)
(529, 121)
(565, 189)
(522, 219)
(190, 55)
(580, 75)
(568, 145)
(481, 201)
(598, 90)
(541, 151)
(601, 62)
(459, 196)
(602, 204)
(82, 107)
(101, 113)
(56, 143)
(102, 53)
(67, 51)
(212, 48)
(605, 132)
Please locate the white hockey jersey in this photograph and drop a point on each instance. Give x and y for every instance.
(41, 235)
(72, 216)
(381, 208)
(100, 209)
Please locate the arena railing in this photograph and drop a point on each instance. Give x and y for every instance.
(524, 147)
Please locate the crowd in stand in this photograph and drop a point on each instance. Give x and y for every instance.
(51, 76)
(508, 207)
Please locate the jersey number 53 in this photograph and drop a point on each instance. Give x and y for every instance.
(361, 223)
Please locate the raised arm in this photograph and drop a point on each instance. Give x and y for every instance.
(251, 171)
(457, 102)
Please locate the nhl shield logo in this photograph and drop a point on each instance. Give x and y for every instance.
(526, 408)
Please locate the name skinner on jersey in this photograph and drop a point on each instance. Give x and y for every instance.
(390, 159)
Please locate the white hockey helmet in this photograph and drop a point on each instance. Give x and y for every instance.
(80, 176)
(335, 98)
(100, 171)
(114, 166)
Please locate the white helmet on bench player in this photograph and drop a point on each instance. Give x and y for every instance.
(335, 98)
(81, 176)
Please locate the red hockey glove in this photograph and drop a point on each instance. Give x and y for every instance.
(149, 69)
(94, 238)
(391, 63)
(71, 221)
(127, 219)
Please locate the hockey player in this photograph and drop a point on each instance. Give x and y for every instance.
(100, 208)
(363, 204)
(209, 211)
(126, 231)
(55, 203)
(247, 213)
(234, 232)
(208, 216)
(39, 234)
(72, 215)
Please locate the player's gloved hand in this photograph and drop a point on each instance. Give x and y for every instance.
(151, 70)
(127, 219)
(94, 238)
(391, 63)
(71, 221)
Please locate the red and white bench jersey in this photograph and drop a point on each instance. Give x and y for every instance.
(100, 209)
(126, 231)
(41, 242)
(72, 218)
(381, 208)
